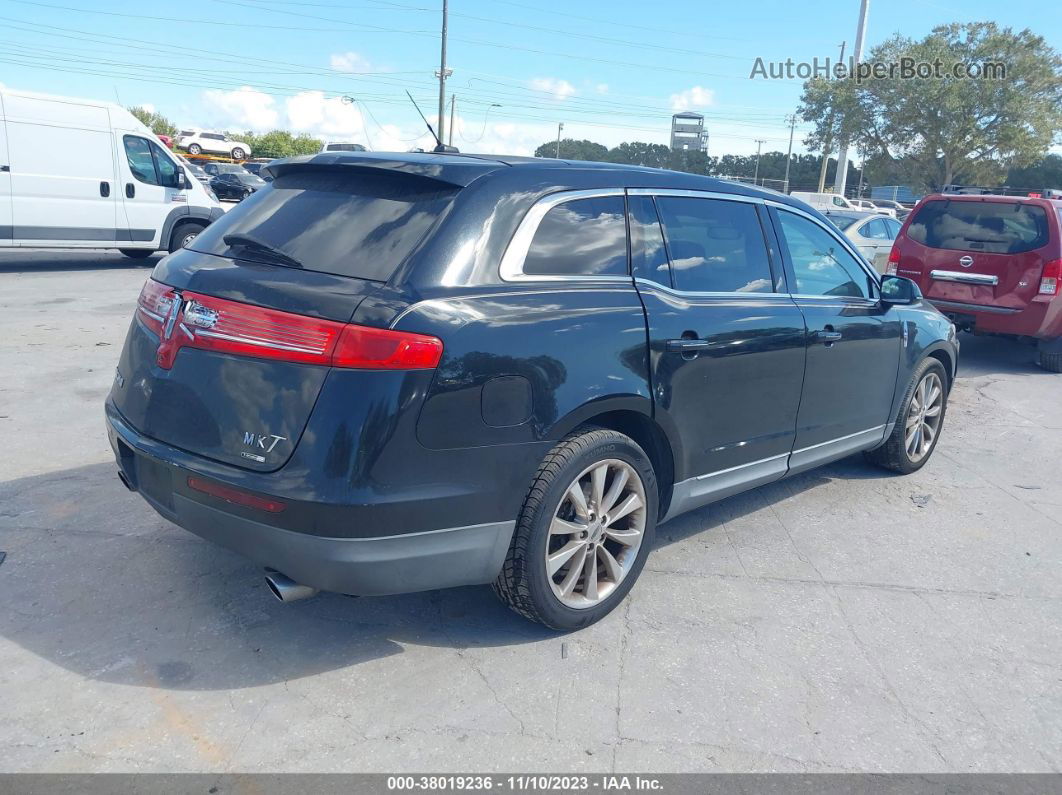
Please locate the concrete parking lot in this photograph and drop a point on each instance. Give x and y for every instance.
(843, 620)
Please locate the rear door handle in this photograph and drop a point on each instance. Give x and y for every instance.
(130, 190)
(688, 346)
(5, 168)
(105, 189)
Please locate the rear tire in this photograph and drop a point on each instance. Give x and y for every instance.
(137, 253)
(594, 568)
(1052, 362)
(905, 451)
(184, 234)
(238, 154)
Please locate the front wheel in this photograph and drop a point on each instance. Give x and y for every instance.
(584, 532)
(919, 422)
(183, 235)
(238, 154)
(195, 149)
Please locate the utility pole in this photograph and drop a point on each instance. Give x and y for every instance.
(756, 176)
(560, 126)
(453, 100)
(442, 72)
(791, 118)
(842, 155)
(826, 143)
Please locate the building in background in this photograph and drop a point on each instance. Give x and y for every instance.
(688, 132)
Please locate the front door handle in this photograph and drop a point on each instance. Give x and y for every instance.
(828, 335)
(5, 168)
(130, 190)
(688, 346)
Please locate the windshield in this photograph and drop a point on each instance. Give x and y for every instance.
(992, 227)
(361, 225)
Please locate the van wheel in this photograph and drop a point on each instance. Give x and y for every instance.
(184, 234)
(195, 149)
(238, 154)
(919, 422)
(137, 253)
(584, 532)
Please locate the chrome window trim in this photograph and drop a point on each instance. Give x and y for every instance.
(848, 245)
(512, 262)
(697, 294)
(694, 194)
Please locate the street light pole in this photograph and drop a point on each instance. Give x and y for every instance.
(789, 155)
(841, 180)
(756, 176)
(442, 72)
(560, 126)
(453, 100)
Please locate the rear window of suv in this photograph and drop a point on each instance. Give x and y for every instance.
(991, 227)
(349, 224)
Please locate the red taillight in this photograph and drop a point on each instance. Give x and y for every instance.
(217, 324)
(235, 496)
(154, 304)
(1051, 278)
(894, 260)
(383, 349)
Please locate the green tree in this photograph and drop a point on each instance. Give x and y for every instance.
(1045, 174)
(154, 121)
(948, 129)
(571, 149)
(279, 143)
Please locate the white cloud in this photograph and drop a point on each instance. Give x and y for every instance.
(326, 117)
(601, 88)
(696, 97)
(148, 106)
(348, 62)
(244, 107)
(560, 89)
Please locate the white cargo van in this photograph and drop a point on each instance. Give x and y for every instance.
(824, 201)
(77, 173)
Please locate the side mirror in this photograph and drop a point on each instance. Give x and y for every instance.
(899, 290)
(182, 179)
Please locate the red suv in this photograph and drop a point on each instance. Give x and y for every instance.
(992, 264)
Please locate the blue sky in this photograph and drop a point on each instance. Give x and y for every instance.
(612, 71)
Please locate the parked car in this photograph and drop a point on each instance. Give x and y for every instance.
(899, 212)
(341, 146)
(76, 173)
(439, 371)
(868, 206)
(993, 264)
(195, 170)
(253, 168)
(199, 141)
(824, 201)
(213, 168)
(872, 234)
(235, 186)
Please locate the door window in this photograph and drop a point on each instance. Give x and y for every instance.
(822, 266)
(839, 202)
(141, 163)
(875, 230)
(582, 237)
(648, 255)
(892, 227)
(716, 246)
(166, 168)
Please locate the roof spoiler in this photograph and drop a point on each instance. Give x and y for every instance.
(442, 168)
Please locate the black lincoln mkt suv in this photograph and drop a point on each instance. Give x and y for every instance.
(392, 373)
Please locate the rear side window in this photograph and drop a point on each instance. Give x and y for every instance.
(716, 246)
(991, 227)
(349, 224)
(821, 264)
(582, 237)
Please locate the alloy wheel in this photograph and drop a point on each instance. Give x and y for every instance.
(595, 533)
(923, 417)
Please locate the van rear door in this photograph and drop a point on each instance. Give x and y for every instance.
(984, 251)
(5, 182)
(62, 173)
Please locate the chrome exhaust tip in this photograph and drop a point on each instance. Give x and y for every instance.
(286, 589)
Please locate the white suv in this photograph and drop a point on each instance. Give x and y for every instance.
(199, 141)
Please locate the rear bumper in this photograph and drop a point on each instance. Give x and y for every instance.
(1041, 318)
(365, 566)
